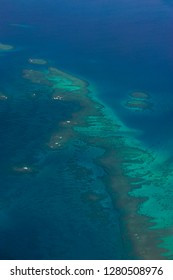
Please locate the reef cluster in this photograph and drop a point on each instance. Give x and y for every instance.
(132, 176)
(138, 101)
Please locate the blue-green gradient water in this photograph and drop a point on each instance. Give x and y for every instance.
(118, 47)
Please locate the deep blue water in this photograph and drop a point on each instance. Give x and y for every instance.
(118, 46)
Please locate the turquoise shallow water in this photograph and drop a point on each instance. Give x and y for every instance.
(119, 48)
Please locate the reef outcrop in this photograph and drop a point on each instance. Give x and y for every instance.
(138, 101)
(3, 96)
(38, 61)
(4, 47)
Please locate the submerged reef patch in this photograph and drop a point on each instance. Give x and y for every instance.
(138, 182)
(38, 61)
(4, 47)
(139, 95)
(138, 101)
(3, 96)
(37, 77)
(23, 169)
(138, 105)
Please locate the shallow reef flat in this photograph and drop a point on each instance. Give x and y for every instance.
(138, 181)
(65, 81)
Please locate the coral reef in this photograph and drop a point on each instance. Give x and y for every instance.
(139, 95)
(37, 61)
(132, 176)
(3, 96)
(4, 47)
(138, 101)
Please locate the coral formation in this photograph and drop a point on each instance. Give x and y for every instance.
(134, 181)
(3, 96)
(38, 61)
(138, 101)
(23, 169)
(139, 95)
(4, 47)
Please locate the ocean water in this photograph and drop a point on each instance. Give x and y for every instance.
(66, 208)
